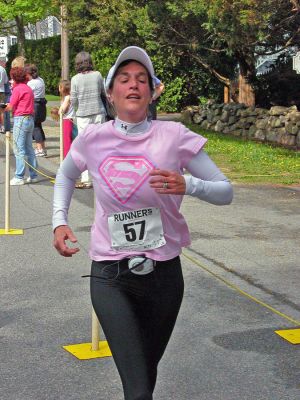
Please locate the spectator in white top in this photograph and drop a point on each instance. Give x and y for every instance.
(37, 84)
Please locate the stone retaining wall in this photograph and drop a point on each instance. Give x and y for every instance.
(279, 125)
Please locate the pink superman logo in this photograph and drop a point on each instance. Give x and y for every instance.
(124, 175)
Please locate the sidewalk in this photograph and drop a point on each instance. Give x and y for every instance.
(52, 141)
(223, 347)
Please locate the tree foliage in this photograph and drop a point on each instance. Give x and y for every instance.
(110, 26)
(197, 46)
(208, 42)
(221, 29)
(16, 14)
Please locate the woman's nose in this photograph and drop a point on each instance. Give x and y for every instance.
(134, 83)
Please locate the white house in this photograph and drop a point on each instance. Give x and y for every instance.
(5, 43)
(49, 26)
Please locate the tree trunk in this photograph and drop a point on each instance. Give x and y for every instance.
(246, 92)
(20, 35)
(64, 44)
(226, 95)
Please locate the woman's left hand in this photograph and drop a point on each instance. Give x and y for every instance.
(167, 182)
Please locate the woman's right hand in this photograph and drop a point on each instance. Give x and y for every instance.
(61, 234)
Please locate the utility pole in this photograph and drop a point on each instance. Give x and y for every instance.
(65, 69)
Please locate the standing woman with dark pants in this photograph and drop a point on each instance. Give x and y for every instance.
(138, 232)
(37, 84)
(3, 83)
(7, 123)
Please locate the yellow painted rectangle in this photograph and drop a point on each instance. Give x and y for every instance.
(11, 232)
(291, 335)
(84, 351)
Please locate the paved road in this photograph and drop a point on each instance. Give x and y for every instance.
(224, 346)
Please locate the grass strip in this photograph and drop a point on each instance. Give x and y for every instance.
(245, 161)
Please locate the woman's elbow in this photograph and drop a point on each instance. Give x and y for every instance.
(228, 195)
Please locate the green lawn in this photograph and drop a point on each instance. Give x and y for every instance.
(52, 97)
(246, 161)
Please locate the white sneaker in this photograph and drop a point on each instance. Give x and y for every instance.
(40, 153)
(87, 185)
(31, 180)
(16, 181)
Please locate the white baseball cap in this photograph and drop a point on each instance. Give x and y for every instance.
(131, 53)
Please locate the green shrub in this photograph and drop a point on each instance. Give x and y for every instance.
(172, 95)
(46, 55)
(104, 58)
(203, 100)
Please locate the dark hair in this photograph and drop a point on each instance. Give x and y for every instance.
(18, 75)
(123, 64)
(83, 62)
(32, 70)
(65, 87)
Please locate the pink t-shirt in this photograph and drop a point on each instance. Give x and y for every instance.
(120, 166)
(22, 100)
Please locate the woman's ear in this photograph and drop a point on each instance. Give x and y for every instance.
(109, 97)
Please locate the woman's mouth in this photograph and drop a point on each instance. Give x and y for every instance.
(133, 97)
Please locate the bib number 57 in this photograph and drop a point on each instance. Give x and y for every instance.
(134, 230)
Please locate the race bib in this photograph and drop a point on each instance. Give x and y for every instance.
(136, 229)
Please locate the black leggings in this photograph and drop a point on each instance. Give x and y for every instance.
(38, 133)
(137, 314)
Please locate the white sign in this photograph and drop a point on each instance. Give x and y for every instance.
(138, 230)
(3, 46)
(296, 62)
